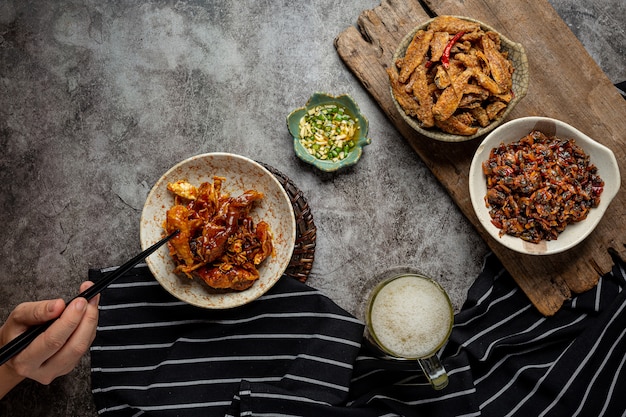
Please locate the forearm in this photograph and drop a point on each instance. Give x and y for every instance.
(8, 380)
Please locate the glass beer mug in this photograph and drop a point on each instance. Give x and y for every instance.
(410, 317)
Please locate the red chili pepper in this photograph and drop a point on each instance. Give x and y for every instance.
(445, 57)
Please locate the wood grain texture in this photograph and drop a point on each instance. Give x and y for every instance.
(565, 83)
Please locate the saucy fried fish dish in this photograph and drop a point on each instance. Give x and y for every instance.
(218, 241)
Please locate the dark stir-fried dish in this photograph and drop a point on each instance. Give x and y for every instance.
(454, 76)
(218, 240)
(538, 185)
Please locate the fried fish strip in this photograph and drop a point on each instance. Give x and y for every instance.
(469, 60)
(473, 96)
(438, 44)
(406, 101)
(494, 109)
(415, 53)
(480, 115)
(452, 25)
(501, 68)
(449, 100)
(487, 82)
(457, 125)
(505, 98)
(421, 91)
(441, 79)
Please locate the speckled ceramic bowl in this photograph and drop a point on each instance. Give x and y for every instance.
(601, 156)
(361, 139)
(517, 55)
(241, 174)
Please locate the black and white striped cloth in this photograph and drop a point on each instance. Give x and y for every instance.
(294, 352)
(621, 87)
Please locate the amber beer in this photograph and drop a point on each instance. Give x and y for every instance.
(410, 317)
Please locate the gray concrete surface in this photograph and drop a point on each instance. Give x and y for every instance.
(98, 99)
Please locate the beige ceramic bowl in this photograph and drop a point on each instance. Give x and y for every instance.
(601, 156)
(241, 174)
(517, 55)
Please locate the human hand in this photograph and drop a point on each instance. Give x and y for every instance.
(56, 351)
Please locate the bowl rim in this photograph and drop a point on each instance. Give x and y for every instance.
(221, 300)
(319, 98)
(580, 230)
(448, 137)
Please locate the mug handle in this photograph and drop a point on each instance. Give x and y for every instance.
(435, 372)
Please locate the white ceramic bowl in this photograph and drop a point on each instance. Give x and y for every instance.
(241, 174)
(601, 156)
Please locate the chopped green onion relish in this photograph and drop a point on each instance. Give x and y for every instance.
(327, 132)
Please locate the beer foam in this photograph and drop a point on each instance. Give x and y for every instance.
(411, 317)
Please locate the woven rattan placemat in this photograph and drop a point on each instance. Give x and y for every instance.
(306, 232)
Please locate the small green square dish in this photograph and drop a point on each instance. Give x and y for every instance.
(359, 139)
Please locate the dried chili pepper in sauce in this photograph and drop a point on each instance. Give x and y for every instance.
(445, 57)
(538, 185)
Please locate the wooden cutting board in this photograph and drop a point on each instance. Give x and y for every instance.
(565, 83)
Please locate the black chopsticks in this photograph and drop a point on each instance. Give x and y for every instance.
(18, 344)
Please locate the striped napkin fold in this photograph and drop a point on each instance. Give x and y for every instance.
(621, 87)
(294, 352)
